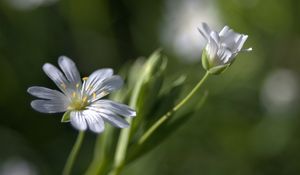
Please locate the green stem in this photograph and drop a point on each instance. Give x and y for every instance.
(117, 170)
(73, 154)
(96, 163)
(162, 119)
(121, 149)
(99, 162)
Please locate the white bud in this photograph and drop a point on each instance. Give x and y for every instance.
(221, 48)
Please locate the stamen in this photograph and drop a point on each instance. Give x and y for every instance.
(243, 50)
(83, 88)
(94, 95)
(74, 94)
(248, 50)
(84, 99)
(63, 86)
(77, 85)
(104, 93)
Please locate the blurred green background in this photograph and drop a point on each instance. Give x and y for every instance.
(248, 126)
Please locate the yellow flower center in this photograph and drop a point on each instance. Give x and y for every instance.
(78, 102)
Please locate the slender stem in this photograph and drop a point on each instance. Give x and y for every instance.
(121, 150)
(162, 119)
(99, 162)
(123, 140)
(73, 154)
(116, 171)
(96, 163)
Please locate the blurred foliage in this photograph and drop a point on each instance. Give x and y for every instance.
(232, 134)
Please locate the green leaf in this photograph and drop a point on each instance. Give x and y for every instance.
(148, 96)
(135, 71)
(165, 130)
(153, 65)
(156, 139)
(166, 100)
(66, 117)
(147, 88)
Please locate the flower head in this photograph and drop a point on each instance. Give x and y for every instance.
(81, 99)
(221, 48)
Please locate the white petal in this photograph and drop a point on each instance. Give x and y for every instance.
(212, 48)
(56, 76)
(109, 85)
(215, 37)
(224, 31)
(96, 78)
(115, 107)
(78, 120)
(240, 42)
(113, 118)
(49, 106)
(45, 93)
(70, 70)
(224, 55)
(94, 121)
(230, 39)
(205, 31)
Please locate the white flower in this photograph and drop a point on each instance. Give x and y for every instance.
(81, 100)
(221, 48)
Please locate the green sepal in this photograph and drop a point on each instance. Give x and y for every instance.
(218, 69)
(211, 67)
(66, 117)
(205, 62)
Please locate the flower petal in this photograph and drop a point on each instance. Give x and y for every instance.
(115, 107)
(70, 70)
(205, 31)
(228, 37)
(211, 48)
(215, 37)
(112, 118)
(115, 120)
(56, 76)
(240, 43)
(45, 93)
(78, 120)
(109, 85)
(224, 55)
(94, 121)
(224, 31)
(95, 79)
(49, 106)
(98, 76)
